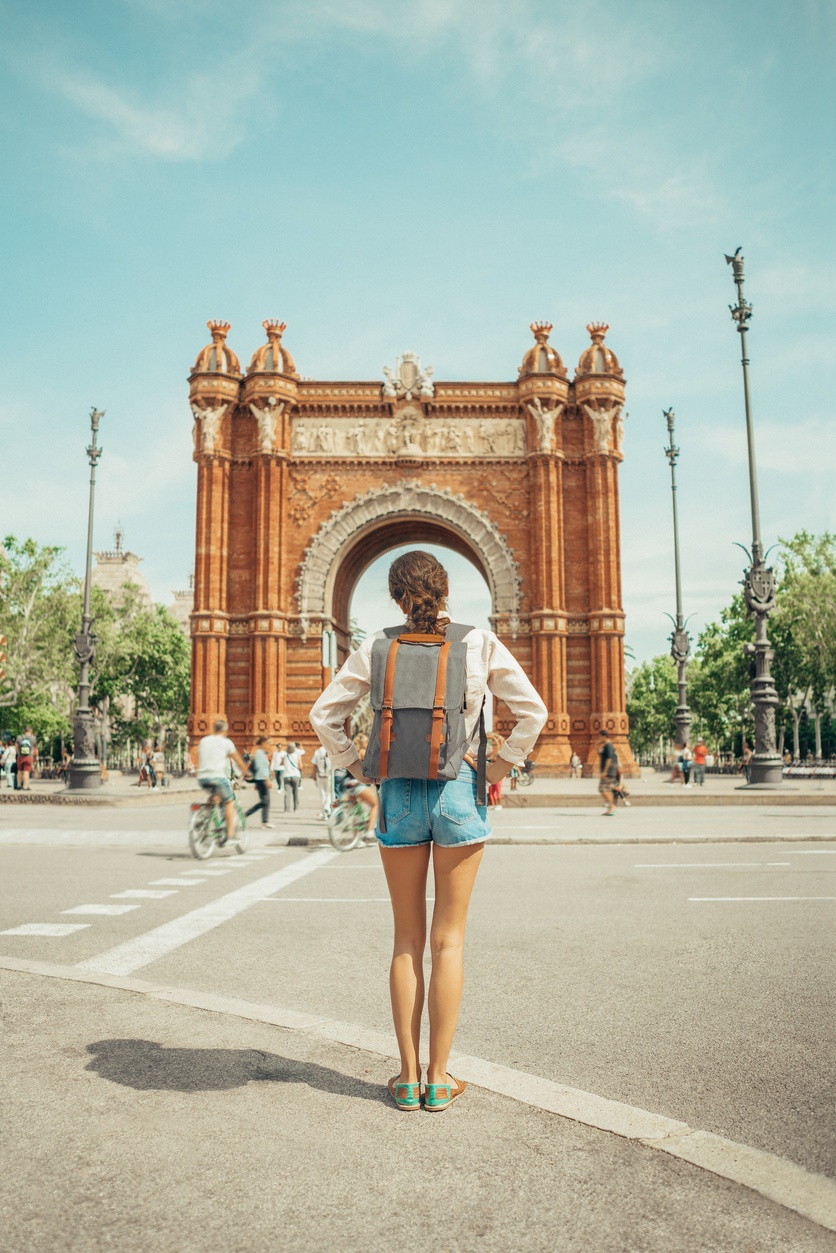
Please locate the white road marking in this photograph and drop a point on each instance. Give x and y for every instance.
(46, 928)
(115, 910)
(779, 863)
(802, 1191)
(155, 944)
(696, 865)
(331, 900)
(762, 898)
(142, 894)
(212, 871)
(186, 883)
(816, 852)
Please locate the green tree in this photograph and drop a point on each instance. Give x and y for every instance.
(39, 609)
(719, 678)
(803, 628)
(651, 703)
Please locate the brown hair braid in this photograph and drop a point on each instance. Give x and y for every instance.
(419, 582)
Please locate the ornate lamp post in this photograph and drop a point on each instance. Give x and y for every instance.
(85, 768)
(758, 583)
(680, 640)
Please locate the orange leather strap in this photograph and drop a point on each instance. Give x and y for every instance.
(386, 712)
(438, 710)
(421, 639)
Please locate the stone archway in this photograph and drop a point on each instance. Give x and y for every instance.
(303, 482)
(417, 511)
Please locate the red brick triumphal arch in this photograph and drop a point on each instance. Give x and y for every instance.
(303, 483)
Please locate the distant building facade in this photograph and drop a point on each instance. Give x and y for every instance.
(116, 568)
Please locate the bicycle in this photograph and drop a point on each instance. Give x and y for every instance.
(524, 774)
(207, 827)
(348, 822)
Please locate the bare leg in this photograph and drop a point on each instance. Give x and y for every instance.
(610, 799)
(406, 875)
(229, 814)
(455, 873)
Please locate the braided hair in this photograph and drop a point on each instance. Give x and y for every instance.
(418, 582)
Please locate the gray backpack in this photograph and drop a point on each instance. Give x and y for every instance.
(418, 698)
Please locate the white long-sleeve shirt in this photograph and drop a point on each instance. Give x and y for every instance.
(490, 666)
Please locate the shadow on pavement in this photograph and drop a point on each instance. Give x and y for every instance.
(148, 1066)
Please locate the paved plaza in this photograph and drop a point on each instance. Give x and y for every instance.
(196, 1052)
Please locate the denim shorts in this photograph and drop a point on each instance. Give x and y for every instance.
(432, 811)
(222, 787)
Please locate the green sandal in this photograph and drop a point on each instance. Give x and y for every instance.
(440, 1095)
(405, 1095)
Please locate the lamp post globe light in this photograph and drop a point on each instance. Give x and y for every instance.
(85, 768)
(766, 767)
(680, 640)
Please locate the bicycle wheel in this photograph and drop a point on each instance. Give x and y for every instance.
(525, 779)
(242, 839)
(345, 828)
(201, 836)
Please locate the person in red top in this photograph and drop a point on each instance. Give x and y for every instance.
(700, 754)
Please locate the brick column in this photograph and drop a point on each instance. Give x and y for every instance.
(267, 399)
(606, 612)
(544, 397)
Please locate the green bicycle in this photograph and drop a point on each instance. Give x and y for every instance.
(207, 827)
(348, 822)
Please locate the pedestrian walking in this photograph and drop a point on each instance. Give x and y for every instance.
(575, 766)
(746, 759)
(438, 812)
(7, 762)
(700, 755)
(608, 770)
(292, 777)
(685, 759)
(27, 755)
(323, 773)
(158, 759)
(277, 766)
(260, 771)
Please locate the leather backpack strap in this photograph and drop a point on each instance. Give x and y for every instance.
(438, 710)
(386, 711)
(482, 760)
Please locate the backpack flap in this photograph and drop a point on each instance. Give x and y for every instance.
(418, 695)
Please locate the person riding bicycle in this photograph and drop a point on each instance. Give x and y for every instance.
(214, 754)
(354, 790)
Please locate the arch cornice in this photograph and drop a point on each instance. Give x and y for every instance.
(411, 498)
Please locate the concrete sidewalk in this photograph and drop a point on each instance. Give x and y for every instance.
(139, 1123)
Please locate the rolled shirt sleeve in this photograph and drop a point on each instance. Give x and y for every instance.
(339, 700)
(508, 681)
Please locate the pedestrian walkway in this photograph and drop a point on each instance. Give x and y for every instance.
(227, 1129)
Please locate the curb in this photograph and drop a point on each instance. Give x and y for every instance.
(542, 800)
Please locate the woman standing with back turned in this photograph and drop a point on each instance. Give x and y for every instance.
(423, 817)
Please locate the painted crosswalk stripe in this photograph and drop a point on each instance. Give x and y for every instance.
(186, 883)
(150, 947)
(762, 898)
(46, 928)
(114, 910)
(143, 894)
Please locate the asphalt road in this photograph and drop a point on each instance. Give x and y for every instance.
(690, 980)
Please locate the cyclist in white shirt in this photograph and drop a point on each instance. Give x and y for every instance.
(214, 754)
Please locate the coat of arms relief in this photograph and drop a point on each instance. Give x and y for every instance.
(408, 379)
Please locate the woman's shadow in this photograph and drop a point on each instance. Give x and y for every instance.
(149, 1067)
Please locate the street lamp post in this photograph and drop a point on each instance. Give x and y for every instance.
(680, 640)
(766, 768)
(85, 768)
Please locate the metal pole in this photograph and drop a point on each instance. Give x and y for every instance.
(85, 768)
(766, 768)
(680, 641)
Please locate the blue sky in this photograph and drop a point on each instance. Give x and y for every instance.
(432, 175)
